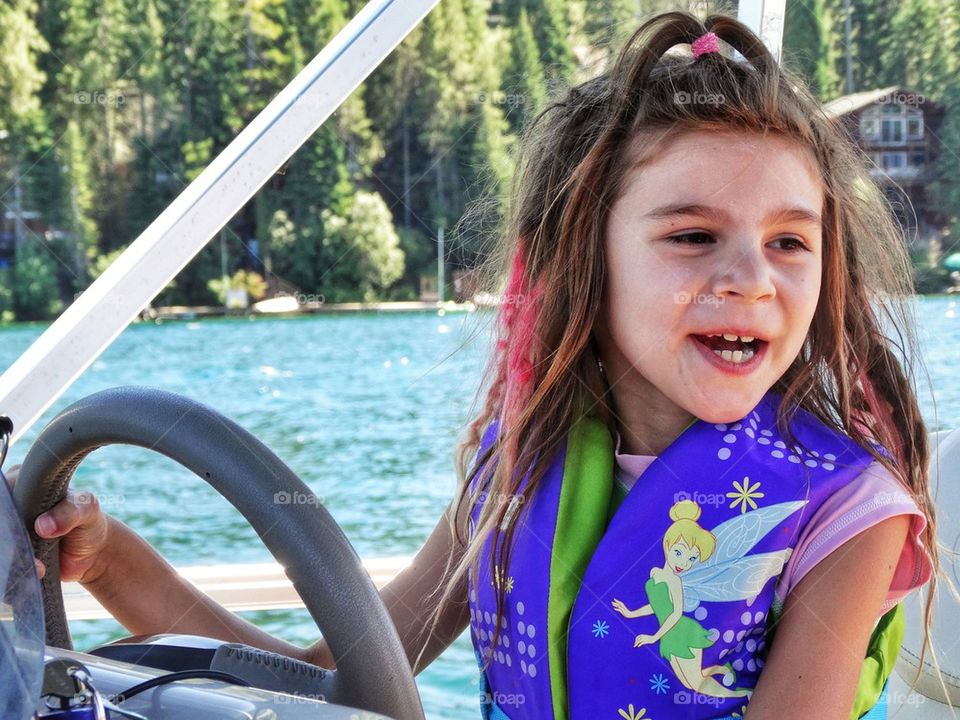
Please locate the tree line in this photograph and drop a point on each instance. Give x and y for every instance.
(111, 107)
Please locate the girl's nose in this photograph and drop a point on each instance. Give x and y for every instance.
(745, 273)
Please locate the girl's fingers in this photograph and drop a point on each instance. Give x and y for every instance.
(66, 515)
(41, 569)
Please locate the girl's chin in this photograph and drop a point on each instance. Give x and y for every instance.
(723, 407)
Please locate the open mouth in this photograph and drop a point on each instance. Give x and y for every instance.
(732, 348)
(678, 569)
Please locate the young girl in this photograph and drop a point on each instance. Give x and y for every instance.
(695, 435)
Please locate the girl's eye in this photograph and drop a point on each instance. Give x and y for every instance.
(794, 244)
(690, 238)
(677, 553)
(790, 244)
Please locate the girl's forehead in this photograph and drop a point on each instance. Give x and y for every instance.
(673, 149)
(689, 166)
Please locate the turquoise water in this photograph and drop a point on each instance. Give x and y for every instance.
(365, 408)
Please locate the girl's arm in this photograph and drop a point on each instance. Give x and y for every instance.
(127, 568)
(821, 641)
(117, 566)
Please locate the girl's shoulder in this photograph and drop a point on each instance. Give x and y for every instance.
(873, 496)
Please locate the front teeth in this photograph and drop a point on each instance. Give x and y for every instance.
(735, 356)
(730, 336)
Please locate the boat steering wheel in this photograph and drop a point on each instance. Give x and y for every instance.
(373, 672)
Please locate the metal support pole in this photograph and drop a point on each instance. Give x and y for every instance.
(440, 265)
(765, 18)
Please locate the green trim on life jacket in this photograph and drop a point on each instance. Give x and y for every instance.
(581, 522)
(882, 651)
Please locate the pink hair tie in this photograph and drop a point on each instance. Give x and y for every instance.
(706, 43)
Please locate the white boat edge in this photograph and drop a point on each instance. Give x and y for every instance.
(238, 587)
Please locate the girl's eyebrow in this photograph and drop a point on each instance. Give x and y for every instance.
(775, 217)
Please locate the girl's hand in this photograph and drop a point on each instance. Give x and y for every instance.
(643, 640)
(82, 525)
(621, 608)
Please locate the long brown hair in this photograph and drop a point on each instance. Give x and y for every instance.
(543, 372)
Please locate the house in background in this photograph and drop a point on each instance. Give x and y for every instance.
(897, 128)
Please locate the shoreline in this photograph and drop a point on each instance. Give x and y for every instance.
(287, 307)
(183, 312)
(174, 313)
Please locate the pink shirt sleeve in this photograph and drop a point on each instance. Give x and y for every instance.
(875, 496)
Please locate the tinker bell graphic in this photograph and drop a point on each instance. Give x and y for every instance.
(723, 573)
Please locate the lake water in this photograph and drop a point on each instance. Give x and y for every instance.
(365, 408)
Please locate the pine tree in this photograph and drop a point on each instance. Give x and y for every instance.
(551, 28)
(945, 191)
(607, 23)
(523, 79)
(390, 95)
(36, 294)
(21, 80)
(20, 77)
(914, 55)
(811, 46)
(871, 34)
(317, 22)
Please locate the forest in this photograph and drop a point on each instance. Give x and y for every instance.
(111, 107)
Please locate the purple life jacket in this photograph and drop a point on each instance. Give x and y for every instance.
(656, 619)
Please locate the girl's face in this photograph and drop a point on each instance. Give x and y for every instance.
(719, 234)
